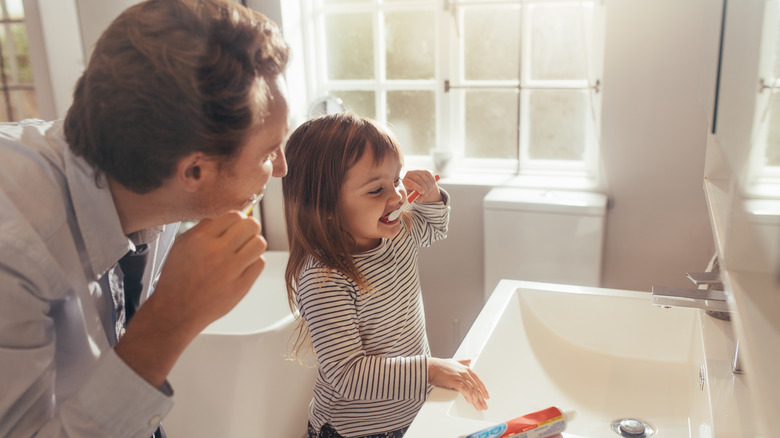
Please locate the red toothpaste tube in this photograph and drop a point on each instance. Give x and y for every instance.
(541, 424)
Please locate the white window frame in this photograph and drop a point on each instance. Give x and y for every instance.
(449, 106)
(55, 53)
(763, 180)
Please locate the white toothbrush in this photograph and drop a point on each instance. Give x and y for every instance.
(405, 206)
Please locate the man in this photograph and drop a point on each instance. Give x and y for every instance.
(180, 115)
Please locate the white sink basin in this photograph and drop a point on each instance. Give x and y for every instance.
(608, 354)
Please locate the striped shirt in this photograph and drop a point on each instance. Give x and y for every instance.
(371, 347)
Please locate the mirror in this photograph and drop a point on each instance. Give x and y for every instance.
(743, 187)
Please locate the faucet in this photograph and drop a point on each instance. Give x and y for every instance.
(707, 299)
(712, 299)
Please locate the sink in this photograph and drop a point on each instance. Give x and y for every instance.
(608, 354)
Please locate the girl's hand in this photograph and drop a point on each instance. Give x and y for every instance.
(424, 181)
(456, 374)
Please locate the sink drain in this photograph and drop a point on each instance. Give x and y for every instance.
(633, 428)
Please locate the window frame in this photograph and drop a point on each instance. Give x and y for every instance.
(763, 180)
(11, 82)
(449, 104)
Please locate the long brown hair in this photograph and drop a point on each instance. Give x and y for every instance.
(319, 154)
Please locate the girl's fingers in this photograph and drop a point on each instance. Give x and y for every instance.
(456, 375)
(473, 394)
(474, 390)
(480, 386)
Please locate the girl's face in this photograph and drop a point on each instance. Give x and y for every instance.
(369, 193)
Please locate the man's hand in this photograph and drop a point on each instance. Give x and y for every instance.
(207, 272)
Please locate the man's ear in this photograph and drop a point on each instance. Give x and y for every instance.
(193, 170)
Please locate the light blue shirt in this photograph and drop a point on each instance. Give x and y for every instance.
(60, 238)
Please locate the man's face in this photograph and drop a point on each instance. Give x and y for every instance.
(260, 158)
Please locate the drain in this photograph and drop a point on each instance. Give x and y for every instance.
(633, 428)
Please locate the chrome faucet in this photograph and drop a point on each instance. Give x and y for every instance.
(707, 299)
(712, 299)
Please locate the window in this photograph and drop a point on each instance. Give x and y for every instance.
(504, 84)
(17, 100)
(764, 165)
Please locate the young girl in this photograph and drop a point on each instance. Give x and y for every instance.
(353, 276)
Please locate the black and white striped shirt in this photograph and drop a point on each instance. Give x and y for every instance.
(371, 347)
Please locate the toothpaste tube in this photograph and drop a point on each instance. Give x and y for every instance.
(540, 424)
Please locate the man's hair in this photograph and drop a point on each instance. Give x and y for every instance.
(172, 77)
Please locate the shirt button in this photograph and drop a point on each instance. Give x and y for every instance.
(154, 420)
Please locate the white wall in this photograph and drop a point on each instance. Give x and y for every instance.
(95, 16)
(654, 136)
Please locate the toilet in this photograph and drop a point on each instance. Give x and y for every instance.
(542, 235)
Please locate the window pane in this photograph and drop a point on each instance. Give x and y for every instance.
(25, 104)
(558, 44)
(773, 135)
(557, 124)
(491, 124)
(7, 70)
(409, 37)
(777, 46)
(15, 9)
(359, 102)
(18, 101)
(4, 117)
(491, 43)
(22, 52)
(350, 46)
(412, 116)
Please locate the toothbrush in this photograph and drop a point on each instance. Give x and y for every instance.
(405, 206)
(253, 201)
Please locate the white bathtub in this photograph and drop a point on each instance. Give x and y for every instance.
(234, 380)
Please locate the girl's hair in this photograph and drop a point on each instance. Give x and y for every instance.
(319, 154)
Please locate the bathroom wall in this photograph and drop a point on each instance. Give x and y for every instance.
(654, 135)
(653, 143)
(95, 16)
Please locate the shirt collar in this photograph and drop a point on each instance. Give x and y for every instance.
(97, 217)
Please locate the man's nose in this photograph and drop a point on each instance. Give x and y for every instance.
(279, 164)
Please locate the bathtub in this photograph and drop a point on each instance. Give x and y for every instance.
(234, 380)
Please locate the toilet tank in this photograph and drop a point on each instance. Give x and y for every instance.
(543, 235)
